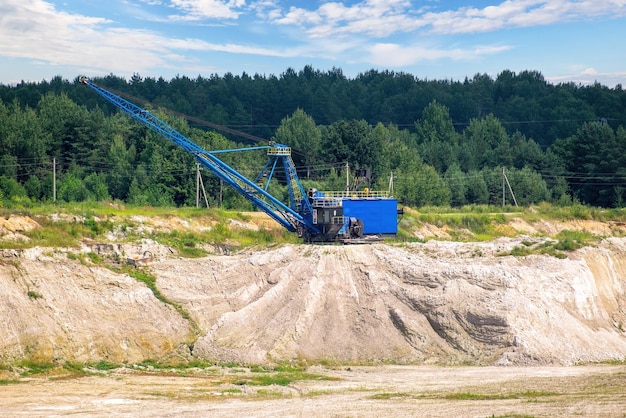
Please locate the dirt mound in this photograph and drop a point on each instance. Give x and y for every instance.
(438, 302)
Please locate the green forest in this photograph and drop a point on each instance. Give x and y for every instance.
(432, 142)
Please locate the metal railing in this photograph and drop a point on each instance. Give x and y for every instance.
(279, 151)
(360, 194)
(326, 202)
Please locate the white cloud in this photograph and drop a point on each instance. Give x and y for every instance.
(35, 30)
(369, 30)
(207, 9)
(373, 17)
(387, 54)
(589, 71)
(379, 19)
(268, 10)
(521, 13)
(589, 76)
(152, 2)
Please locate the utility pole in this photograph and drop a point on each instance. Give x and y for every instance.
(221, 191)
(197, 185)
(505, 179)
(206, 200)
(54, 179)
(503, 189)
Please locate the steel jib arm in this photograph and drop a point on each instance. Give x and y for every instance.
(277, 210)
(257, 196)
(146, 118)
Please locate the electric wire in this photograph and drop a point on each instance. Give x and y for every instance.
(26, 168)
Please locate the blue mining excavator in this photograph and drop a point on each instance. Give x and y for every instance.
(346, 216)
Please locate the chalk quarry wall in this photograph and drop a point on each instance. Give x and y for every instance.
(438, 302)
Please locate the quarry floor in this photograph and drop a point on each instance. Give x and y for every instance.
(363, 391)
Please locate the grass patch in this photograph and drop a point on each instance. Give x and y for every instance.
(30, 368)
(548, 248)
(184, 242)
(103, 365)
(252, 375)
(146, 278)
(182, 366)
(565, 241)
(98, 227)
(497, 396)
(236, 376)
(268, 393)
(278, 378)
(481, 226)
(573, 240)
(151, 363)
(462, 396)
(391, 395)
(94, 257)
(5, 382)
(62, 235)
(76, 369)
(86, 259)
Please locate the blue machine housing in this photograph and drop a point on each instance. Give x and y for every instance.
(379, 215)
(374, 213)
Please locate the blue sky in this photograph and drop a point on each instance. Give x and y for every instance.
(581, 41)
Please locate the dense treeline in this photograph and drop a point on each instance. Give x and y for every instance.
(433, 142)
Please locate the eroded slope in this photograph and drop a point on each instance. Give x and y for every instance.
(436, 302)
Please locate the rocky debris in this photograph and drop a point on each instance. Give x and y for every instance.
(145, 248)
(17, 223)
(11, 228)
(438, 302)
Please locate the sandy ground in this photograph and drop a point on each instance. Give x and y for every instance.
(363, 391)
